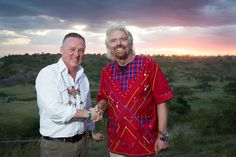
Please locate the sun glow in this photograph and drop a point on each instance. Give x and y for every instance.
(16, 41)
(183, 52)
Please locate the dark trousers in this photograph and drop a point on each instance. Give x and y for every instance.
(49, 148)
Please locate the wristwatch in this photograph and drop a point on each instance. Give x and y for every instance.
(164, 136)
(89, 115)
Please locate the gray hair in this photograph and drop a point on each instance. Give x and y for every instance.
(119, 28)
(72, 34)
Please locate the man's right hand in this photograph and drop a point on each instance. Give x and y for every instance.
(96, 114)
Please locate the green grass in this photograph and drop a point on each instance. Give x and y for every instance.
(188, 146)
(19, 149)
(20, 92)
(97, 149)
(19, 118)
(19, 121)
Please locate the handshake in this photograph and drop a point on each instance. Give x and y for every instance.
(95, 114)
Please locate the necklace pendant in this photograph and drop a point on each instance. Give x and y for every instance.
(77, 91)
(70, 102)
(73, 91)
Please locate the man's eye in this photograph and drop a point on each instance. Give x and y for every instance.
(113, 40)
(123, 39)
(81, 50)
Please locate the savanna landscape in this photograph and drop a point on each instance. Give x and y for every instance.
(202, 116)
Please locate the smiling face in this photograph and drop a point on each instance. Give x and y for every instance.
(73, 52)
(119, 44)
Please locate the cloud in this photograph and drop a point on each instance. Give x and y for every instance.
(59, 13)
(9, 33)
(16, 41)
(169, 23)
(12, 38)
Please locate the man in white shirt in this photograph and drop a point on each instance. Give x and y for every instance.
(63, 97)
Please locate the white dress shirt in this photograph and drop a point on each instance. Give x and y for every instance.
(52, 98)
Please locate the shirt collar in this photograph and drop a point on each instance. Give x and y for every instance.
(61, 65)
(63, 69)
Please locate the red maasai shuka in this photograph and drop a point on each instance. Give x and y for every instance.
(133, 98)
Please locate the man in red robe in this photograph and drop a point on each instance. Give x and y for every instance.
(134, 90)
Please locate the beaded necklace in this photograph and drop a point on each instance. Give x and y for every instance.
(72, 92)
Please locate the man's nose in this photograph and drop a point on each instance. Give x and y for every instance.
(118, 42)
(77, 53)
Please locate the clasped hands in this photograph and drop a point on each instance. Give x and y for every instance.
(96, 113)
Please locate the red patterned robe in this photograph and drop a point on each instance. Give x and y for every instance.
(133, 97)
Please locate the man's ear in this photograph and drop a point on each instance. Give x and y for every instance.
(61, 50)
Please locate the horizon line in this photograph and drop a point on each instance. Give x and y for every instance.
(145, 54)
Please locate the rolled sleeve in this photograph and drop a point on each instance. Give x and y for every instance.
(50, 100)
(160, 87)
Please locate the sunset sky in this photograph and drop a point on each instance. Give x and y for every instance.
(194, 27)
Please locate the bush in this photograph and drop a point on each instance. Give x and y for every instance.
(219, 120)
(230, 88)
(178, 110)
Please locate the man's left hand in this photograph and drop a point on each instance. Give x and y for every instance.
(98, 137)
(161, 145)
